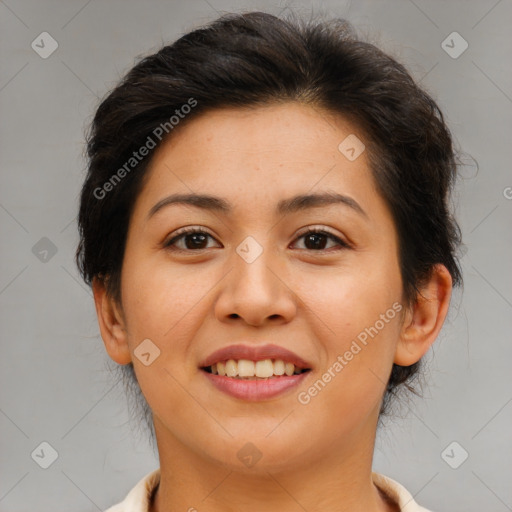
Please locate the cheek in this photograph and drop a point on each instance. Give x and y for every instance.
(159, 297)
(162, 303)
(349, 299)
(357, 319)
(350, 385)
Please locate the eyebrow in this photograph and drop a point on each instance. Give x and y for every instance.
(284, 207)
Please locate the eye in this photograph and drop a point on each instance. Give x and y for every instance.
(315, 238)
(195, 239)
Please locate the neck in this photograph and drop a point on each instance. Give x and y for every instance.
(338, 481)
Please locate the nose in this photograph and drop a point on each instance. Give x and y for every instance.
(256, 292)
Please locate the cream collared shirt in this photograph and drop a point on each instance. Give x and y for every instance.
(139, 497)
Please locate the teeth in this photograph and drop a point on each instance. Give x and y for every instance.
(278, 367)
(264, 368)
(231, 368)
(246, 368)
(250, 369)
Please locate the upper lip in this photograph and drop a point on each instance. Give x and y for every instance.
(255, 353)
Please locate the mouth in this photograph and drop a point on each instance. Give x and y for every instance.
(245, 369)
(254, 381)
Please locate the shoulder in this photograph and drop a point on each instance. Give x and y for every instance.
(138, 499)
(397, 493)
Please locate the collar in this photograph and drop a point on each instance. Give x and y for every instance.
(139, 498)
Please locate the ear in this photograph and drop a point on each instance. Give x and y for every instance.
(424, 319)
(111, 322)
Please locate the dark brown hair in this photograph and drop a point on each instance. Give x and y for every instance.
(251, 59)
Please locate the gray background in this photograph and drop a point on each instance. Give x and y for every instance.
(55, 385)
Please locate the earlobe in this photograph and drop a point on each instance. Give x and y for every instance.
(425, 318)
(111, 324)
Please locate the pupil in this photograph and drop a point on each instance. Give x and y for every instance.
(311, 238)
(198, 239)
(313, 241)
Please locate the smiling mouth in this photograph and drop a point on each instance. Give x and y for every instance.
(245, 369)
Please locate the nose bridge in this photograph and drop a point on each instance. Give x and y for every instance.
(255, 288)
(254, 260)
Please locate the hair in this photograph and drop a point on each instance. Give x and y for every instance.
(257, 59)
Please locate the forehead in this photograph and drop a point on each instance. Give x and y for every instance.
(263, 154)
(290, 131)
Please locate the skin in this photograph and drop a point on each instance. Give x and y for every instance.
(314, 302)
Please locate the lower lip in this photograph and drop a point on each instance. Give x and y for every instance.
(257, 389)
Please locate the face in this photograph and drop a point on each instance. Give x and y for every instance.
(251, 274)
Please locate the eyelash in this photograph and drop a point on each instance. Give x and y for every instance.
(193, 230)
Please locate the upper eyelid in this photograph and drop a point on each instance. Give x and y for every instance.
(309, 229)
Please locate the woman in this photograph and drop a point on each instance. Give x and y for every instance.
(266, 230)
